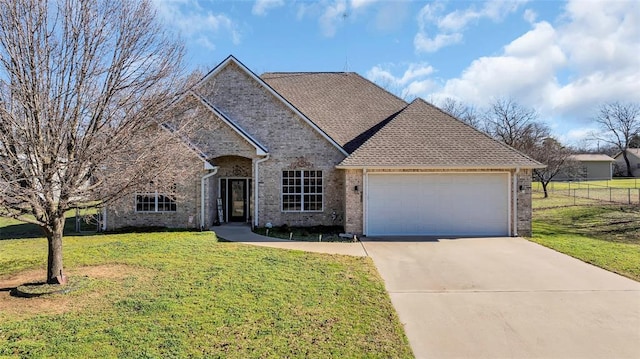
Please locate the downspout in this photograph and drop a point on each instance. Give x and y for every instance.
(202, 202)
(255, 189)
(515, 202)
(364, 201)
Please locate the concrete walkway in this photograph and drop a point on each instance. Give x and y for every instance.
(243, 234)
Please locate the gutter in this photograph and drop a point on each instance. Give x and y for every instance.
(255, 189)
(423, 167)
(202, 202)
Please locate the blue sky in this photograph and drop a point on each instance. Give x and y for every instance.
(562, 58)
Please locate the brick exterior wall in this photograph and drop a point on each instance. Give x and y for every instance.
(524, 203)
(353, 202)
(187, 215)
(291, 143)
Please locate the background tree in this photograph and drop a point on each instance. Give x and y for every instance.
(555, 156)
(520, 128)
(517, 126)
(84, 85)
(464, 112)
(620, 126)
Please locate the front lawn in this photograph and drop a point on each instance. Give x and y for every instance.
(604, 235)
(183, 294)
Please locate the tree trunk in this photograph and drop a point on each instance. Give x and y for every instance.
(544, 188)
(55, 230)
(626, 160)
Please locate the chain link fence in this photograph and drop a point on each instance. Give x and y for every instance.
(605, 191)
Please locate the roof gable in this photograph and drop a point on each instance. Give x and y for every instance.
(232, 60)
(635, 152)
(261, 150)
(348, 107)
(423, 136)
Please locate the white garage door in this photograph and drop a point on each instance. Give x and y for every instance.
(438, 204)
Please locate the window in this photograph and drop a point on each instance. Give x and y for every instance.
(302, 191)
(155, 202)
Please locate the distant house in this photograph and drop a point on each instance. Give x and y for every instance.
(307, 149)
(634, 160)
(588, 167)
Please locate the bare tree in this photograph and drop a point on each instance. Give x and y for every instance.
(464, 112)
(515, 125)
(555, 156)
(620, 126)
(84, 88)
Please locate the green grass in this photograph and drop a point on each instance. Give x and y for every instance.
(604, 235)
(183, 294)
(559, 200)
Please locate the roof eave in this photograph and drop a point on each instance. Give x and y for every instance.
(427, 167)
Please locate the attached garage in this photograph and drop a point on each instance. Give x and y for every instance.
(438, 204)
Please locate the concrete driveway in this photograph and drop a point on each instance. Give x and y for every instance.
(507, 298)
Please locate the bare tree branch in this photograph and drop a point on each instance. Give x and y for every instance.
(620, 126)
(84, 86)
(555, 156)
(515, 125)
(464, 112)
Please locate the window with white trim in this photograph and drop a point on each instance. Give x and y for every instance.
(302, 191)
(154, 201)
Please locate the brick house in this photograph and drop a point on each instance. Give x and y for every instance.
(307, 149)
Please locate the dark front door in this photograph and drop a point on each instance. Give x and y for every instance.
(237, 203)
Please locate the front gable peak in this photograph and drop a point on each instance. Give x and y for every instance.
(232, 61)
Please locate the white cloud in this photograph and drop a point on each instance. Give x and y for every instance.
(563, 70)
(529, 62)
(261, 7)
(449, 27)
(414, 81)
(530, 16)
(196, 23)
(356, 4)
(602, 35)
(332, 16)
(582, 136)
(426, 44)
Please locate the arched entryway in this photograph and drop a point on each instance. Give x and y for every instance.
(232, 188)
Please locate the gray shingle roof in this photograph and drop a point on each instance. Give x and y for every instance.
(591, 157)
(422, 135)
(346, 106)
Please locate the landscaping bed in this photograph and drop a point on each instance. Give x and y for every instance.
(307, 234)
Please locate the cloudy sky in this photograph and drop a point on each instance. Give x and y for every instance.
(561, 58)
